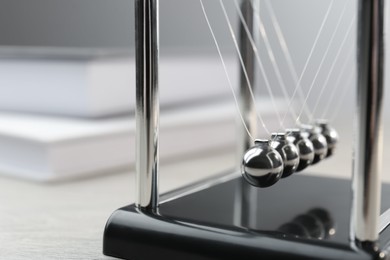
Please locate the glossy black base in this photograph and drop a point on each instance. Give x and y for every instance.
(303, 217)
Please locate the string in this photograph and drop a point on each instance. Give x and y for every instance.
(331, 69)
(255, 50)
(341, 98)
(286, 52)
(323, 59)
(284, 46)
(225, 69)
(283, 43)
(272, 58)
(249, 84)
(337, 83)
(270, 54)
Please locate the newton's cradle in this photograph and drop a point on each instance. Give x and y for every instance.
(237, 215)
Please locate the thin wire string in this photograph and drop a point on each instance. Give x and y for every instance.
(337, 83)
(249, 84)
(284, 47)
(341, 98)
(225, 69)
(332, 68)
(323, 59)
(271, 55)
(286, 52)
(272, 58)
(255, 50)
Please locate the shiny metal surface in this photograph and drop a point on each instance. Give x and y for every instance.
(384, 220)
(304, 145)
(288, 151)
(245, 213)
(330, 135)
(319, 142)
(247, 106)
(147, 104)
(368, 140)
(262, 165)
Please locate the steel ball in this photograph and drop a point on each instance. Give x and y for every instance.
(288, 151)
(262, 165)
(319, 142)
(330, 134)
(304, 145)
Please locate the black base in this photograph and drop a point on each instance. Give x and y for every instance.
(302, 217)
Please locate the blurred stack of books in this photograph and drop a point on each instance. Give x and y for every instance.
(68, 114)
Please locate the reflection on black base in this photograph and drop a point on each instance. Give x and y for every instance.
(316, 224)
(303, 218)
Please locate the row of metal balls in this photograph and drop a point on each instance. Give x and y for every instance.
(285, 153)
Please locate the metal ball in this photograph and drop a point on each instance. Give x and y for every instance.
(319, 142)
(262, 165)
(330, 134)
(304, 146)
(288, 151)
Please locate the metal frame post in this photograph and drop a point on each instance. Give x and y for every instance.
(246, 196)
(368, 141)
(147, 103)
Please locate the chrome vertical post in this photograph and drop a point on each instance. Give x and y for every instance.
(368, 141)
(247, 106)
(246, 196)
(147, 104)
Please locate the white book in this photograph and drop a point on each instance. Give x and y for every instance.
(99, 84)
(45, 149)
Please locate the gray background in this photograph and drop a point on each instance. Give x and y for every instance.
(80, 23)
(109, 24)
